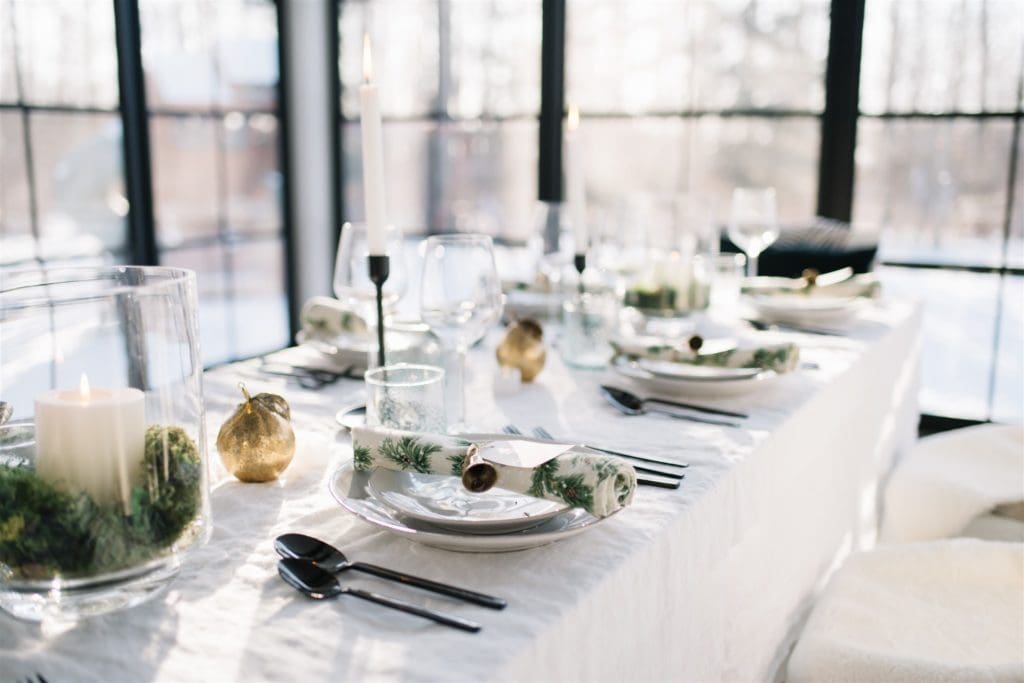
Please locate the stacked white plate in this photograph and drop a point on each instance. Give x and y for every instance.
(686, 379)
(437, 511)
(806, 310)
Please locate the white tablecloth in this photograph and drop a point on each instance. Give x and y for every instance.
(708, 582)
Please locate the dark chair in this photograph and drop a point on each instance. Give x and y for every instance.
(825, 245)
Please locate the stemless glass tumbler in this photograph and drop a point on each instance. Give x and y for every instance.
(460, 299)
(103, 470)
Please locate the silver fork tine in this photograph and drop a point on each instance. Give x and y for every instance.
(512, 429)
(542, 433)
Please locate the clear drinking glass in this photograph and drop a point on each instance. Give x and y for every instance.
(407, 397)
(753, 222)
(588, 321)
(352, 283)
(724, 274)
(460, 298)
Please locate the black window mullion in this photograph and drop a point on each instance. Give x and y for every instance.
(839, 120)
(337, 141)
(287, 222)
(135, 134)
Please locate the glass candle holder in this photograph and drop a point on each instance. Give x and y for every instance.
(103, 469)
(407, 397)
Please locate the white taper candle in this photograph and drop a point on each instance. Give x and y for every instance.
(576, 192)
(373, 158)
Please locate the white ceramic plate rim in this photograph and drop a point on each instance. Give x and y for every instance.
(699, 373)
(686, 386)
(794, 303)
(375, 488)
(373, 513)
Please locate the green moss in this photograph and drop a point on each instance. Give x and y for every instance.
(45, 530)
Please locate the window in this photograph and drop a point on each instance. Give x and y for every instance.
(211, 87)
(699, 96)
(939, 173)
(460, 95)
(211, 70)
(61, 181)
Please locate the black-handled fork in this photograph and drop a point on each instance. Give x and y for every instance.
(661, 479)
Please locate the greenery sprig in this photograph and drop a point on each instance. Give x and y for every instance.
(45, 531)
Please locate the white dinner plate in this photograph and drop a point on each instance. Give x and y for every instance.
(349, 488)
(444, 502)
(806, 309)
(675, 385)
(698, 373)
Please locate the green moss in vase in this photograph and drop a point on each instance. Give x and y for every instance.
(657, 298)
(45, 530)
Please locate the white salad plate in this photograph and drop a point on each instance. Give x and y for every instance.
(673, 379)
(444, 502)
(348, 487)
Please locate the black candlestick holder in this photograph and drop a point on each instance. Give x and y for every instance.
(580, 261)
(380, 267)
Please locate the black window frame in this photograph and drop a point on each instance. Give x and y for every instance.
(141, 245)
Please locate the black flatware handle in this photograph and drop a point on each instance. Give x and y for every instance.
(699, 409)
(660, 473)
(694, 418)
(454, 622)
(654, 461)
(481, 599)
(660, 483)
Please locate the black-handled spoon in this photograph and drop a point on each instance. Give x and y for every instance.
(630, 404)
(329, 558)
(318, 584)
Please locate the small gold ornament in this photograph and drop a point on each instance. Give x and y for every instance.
(257, 442)
(523, 348)
(810, 276)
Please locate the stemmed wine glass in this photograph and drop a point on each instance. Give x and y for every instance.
(460, 299)
(352, 283)
(753, 222)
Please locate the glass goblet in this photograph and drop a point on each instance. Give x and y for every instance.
(753, 222)
(460, 299)
(352, 284)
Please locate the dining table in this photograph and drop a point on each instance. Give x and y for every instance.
(708, 582)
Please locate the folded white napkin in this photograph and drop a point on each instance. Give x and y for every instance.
(949, 479)
(778, 357)
(599, 484)
(863, 285)
(325, 318)
(939, 611)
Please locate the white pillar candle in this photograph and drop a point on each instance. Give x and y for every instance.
(576, 192)
(91, 440)
(373, 157)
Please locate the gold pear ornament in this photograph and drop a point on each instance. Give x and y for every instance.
(257, 442)
(523, 348)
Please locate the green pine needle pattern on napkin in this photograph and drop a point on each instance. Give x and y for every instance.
(599, 484)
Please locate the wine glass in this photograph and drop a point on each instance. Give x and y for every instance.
(352, 284)
(460, 299)
(753, 223)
